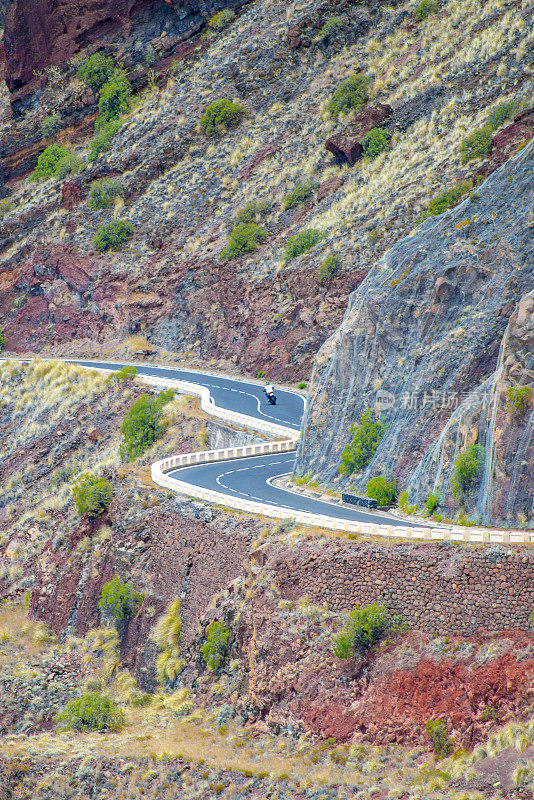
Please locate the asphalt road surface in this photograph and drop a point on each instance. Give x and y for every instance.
(251, 478)
(235, 395)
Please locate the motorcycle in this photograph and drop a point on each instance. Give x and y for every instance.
(271, 397)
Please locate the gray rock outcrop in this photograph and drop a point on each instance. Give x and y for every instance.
(436, 334)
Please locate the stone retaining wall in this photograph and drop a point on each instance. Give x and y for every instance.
(436, 588)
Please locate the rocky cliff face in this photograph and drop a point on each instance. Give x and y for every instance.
(43, 34)
(435, 335)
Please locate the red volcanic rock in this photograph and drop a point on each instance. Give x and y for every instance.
(42, 33)
(265, 152)
(71, 194)
(508, 140)
(346, 146)
(328, 187)
(46, 32)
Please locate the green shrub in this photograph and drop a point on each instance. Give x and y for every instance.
(69, 165)
(358, 453)
(375, 142)
(363, 628)
(50, 125)
(150, 56)
(468, 469)
(222, 19)
(115, 97)
(300, 194)
(113, 235)
(216, 644)
(302, 385)
(124, 374)
(329, 29)
(119, 599)
(403, 500)
(328, 269)
(447, 199)
(301, 242)
(442, 744)
(381, 490)
(222, 113)
(352, 94)
(48, 161)
(91, 712)
(96, 71)
(501, 113)
(244, 238)
(424, 9)
(253, 211)
(103, 192)
(2, 340)
(477, 145)
(518, 399)
(6, 204)
(143, 424)
(63, 475)
(92, 495)
(431, 504)
(102, 138)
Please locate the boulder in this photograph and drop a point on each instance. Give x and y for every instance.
(71, 194)
(346, 146)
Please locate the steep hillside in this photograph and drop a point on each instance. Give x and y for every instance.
(182, 189)
(273, 708)
(441, 330)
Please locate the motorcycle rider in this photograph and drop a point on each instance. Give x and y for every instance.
(269, 393)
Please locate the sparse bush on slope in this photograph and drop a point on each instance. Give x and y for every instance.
(357, 454)
(221, 114)
(424, 9)
(115, 97)
(244, 238)
(214, 649)
(143, 424)
(91, 712)
(92, 495)
(363, 628)
(468, 469)
(375, 142)
(381, 490)
(300, 194)
(113, 235)
(102, 138)
(103, 193)
(328, 269)
(351, 95)
(301, 242)
(95, 71)
(48, 161)
(119, 599)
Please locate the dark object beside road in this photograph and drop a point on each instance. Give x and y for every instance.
(358, 500)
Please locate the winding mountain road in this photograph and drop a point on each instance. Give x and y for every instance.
(251, 478)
